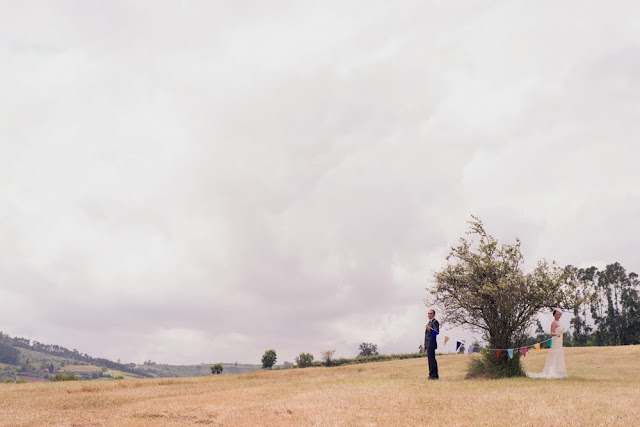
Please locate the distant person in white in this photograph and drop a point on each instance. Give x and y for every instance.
(554, 366)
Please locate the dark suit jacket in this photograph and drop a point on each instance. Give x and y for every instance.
(428, 342)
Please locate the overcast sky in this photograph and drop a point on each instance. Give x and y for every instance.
(200, 181)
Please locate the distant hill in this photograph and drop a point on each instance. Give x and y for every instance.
(28, 360)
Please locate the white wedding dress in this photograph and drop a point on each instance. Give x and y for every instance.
(554, 366)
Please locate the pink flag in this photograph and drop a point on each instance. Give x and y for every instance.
(446, 338)
(523, 350)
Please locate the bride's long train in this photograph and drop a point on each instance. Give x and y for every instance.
(554, 367)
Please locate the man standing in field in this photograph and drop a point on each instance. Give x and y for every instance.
(432, 329)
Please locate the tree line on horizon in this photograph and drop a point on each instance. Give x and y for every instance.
(612, 315)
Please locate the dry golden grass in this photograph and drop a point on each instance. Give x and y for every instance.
(603, 389)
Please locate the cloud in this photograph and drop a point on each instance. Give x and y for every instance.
(198, 182)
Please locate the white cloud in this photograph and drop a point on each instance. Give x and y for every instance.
(192, 182)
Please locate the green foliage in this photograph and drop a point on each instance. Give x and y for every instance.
(8, 354)
(64, 377)
(57, 353)
(369, 359)
(269, 359)
(488, 366)
(217, 369)
(616, 307)
(304, 360)
(327, 357)
(485, 288)
(368, 349)
(118, 377)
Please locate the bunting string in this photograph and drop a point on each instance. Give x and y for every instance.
(510, 351)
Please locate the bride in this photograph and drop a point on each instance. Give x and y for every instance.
(554, 366)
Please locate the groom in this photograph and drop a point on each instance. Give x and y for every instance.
(430, 344)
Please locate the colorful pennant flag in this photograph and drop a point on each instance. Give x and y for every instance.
(472, 348)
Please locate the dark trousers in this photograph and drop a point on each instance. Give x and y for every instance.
(433, 365)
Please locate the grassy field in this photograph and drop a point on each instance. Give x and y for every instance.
(603, 389)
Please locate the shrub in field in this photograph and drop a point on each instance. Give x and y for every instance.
(217, 369)
(368, 349)
(488, 366)
(118, 377)
(327, 357)
(269, 359)
(64, 377)
(304, 360)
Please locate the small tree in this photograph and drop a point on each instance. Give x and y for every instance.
(368, 349)
(217, 369)
(269, 359)
(484, 287)
(304, 360)
(327, 357)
